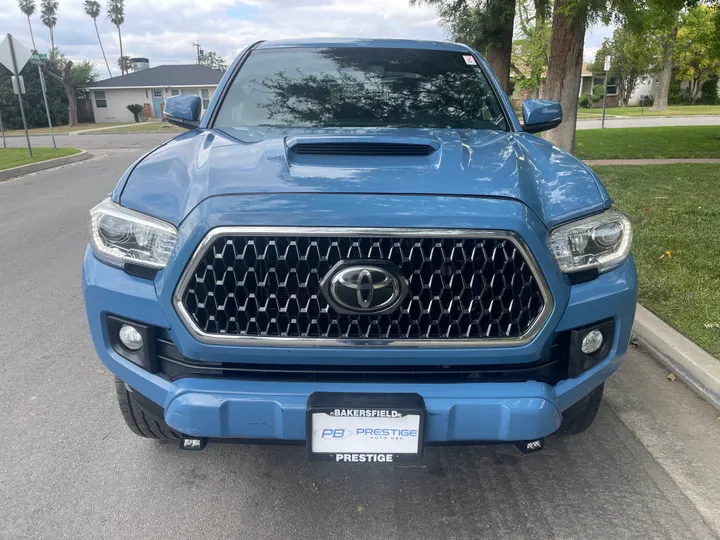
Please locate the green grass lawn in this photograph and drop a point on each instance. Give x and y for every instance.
(673, 110)
(145, 127)
(675, 211)
(14, 157)
(649, 142)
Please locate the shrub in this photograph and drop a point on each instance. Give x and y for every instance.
(598, 92)
(709, 91)
(584, 101)
(677, 95)
(135, 109)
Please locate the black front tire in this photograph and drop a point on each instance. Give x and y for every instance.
(139, 419)
(580, 416)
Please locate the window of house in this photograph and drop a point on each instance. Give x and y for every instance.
(189, 92)
(174, 92)
(100, 101)
(205, 93)
(612, 88)
(157, 93)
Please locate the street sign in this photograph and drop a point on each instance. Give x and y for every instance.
(22, 55)
(608, 60)
(14, 56)
(18, 88)
(38, 58)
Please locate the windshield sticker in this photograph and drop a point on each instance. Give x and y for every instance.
(469, 59)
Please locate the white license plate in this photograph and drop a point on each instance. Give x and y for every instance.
(355, 432)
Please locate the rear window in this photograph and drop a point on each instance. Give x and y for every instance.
(361, 87)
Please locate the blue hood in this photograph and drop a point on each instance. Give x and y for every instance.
(172, 180)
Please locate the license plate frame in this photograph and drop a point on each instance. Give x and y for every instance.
(398, 410)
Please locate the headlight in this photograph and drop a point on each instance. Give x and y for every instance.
(120, 235)
(602, 241)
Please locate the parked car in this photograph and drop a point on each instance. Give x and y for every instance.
(359, 248)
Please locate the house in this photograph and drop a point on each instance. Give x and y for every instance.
(645, 86)
(150, 87)
(589, 80)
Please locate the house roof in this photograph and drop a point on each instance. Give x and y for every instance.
(586, 70)
(160, 76)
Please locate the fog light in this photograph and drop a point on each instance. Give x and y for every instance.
(592, 342)
(132, 340)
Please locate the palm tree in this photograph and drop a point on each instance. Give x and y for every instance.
(92, 10)
(48, 16)
(28, 8)
(125, 63)
(116, 14)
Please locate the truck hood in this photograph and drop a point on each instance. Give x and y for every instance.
(173, 179)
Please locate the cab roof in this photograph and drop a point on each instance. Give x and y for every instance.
(370, 43)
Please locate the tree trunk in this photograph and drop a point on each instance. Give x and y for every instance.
(52, 39)
(563, 73)
(102, 49)
(68, 84)
(631, 82)
(695, 89)
(499, 51)
(122, 64)
(69, 88)
(663, 91)
(32, 37)
(621, 94)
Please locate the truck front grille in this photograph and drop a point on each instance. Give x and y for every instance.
(464, 287)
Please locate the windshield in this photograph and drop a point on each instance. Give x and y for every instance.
(361, 87)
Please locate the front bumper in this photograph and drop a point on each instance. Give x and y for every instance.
(465, 412)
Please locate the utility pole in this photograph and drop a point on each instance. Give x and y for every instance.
(197, 46)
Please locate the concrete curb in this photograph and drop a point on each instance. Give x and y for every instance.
(698, 369)
(43, 165)
(94, 131)
(126, 133)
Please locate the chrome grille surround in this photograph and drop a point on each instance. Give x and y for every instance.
(507, 238)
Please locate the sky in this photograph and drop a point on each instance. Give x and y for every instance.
(164, 30)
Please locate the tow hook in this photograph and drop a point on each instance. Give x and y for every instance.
(193, 443)
(530, 447)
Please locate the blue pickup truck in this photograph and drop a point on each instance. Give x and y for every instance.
(360, 248)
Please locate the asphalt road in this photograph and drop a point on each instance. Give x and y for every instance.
(649, 468)
(650, 121)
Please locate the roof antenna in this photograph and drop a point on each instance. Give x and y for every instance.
(200, 52)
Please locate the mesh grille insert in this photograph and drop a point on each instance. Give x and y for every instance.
(459, 288)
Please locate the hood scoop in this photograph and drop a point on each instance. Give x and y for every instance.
(362, 146)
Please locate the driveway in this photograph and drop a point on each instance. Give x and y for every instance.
(69, 468)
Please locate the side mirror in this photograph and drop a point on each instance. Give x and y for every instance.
(183, 111)
(541, 115)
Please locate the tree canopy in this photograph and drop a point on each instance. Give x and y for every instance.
(697, 50)
(632, 59)
(212, 60)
